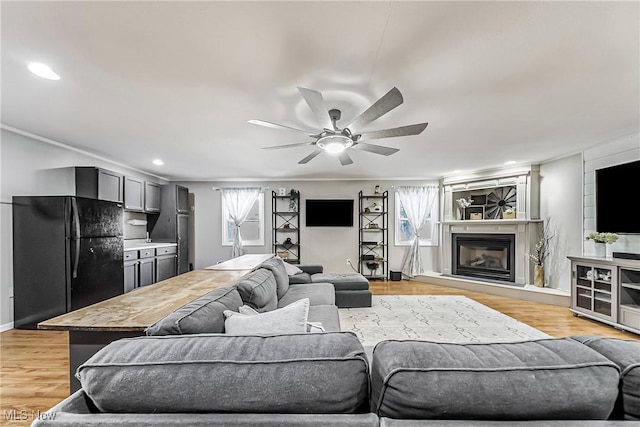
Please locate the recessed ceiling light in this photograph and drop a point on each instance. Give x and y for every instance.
(456, 171)
(157, 162)
(510, 162)
(43, 70)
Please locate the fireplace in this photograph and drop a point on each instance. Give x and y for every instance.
(484, 256)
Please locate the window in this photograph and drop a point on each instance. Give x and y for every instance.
(404, 230)
(252, 229)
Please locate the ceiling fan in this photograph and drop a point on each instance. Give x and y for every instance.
(334, 140)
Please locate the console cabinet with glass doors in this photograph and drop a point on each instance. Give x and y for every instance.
(607, 290)
(373, 235)
(286, 226)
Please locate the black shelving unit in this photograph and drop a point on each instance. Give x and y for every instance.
(285, 237)
(373, 235)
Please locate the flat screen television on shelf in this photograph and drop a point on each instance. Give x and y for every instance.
(329, 212)
(614, 214)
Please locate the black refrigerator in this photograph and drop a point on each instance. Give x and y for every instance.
(67, 254)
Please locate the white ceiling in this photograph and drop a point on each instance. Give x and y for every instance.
(497, 81)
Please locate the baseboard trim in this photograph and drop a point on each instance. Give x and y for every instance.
(6, 327)
(527, 293)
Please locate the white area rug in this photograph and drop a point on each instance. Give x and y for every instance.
(439, 318)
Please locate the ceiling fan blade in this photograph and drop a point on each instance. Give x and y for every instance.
(317, 105)
(310, 156)
(377, 149)
(344, 158)
(277, 147)
(277, 126)
(390, 133)
(382, 106)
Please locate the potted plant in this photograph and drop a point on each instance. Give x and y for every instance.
(540, 253)
(509, 213)
(462, 205)
(601, 240)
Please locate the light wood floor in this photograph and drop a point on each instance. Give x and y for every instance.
(34, 365)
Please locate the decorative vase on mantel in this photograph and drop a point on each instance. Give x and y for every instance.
(538, 275)
(460, 214)
(600, 249)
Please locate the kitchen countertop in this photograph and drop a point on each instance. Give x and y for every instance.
(135, 244)
(144, 306)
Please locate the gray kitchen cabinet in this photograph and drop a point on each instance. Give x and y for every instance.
(131, 272)
(133, 194)
(152, 197)
(182, 199)
(165, 267)
(172, 225)
(98, 183)
(146, 271)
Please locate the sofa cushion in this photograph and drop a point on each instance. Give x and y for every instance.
(328, 315)
(625, 354)
(550, 379)
(300, 278)
(202, 315)
(318, 294)
(342, 281)
(259, 290)
(276, 266)
(291, 319)
(305, 373)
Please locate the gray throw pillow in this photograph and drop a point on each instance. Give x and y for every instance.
(277, 266)
(291, 319)
(202, 315)
(258, 290)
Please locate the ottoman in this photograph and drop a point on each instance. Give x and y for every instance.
(352, 289)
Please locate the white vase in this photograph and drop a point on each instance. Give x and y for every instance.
(600, 249)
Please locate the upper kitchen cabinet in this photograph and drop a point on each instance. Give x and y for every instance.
(133, 194)
(141, 196)
(182, 197)
(98, 183)
(152, 197)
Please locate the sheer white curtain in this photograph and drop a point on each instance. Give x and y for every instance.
(417, 203)
(238, 201)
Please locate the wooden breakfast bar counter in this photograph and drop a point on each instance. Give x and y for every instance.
(128, 315)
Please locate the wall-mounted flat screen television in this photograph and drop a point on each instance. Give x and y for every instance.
(613, 185)
(329, 212)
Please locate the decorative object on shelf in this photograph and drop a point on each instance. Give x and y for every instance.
(293, 202)
(288, 241)
(283, 254)
(541, 252)
(600, 242)
(287, 226)
(475, 216)
(282, 191)
(373, 225)
(376, 190)
(499, 200)
(462, 205)
(509, 213)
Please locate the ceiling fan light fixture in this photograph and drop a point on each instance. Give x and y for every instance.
(334, 144)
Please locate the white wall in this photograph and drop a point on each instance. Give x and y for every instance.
(323, 245)
(618, 151)
(32, 167)
(561, 203)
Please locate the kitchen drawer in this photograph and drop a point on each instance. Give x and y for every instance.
(129, 255)
(166, 250)
(147, 253)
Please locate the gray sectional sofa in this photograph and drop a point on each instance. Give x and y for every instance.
(352, 289)
(188, 371)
